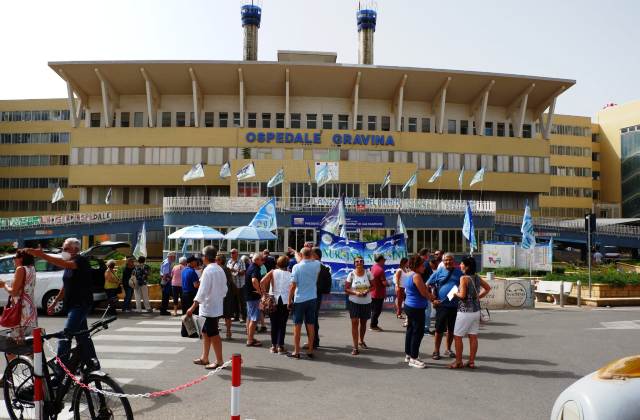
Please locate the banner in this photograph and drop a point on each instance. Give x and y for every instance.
(338, 254)
(498, 255)
(265, 218)
(63, 219)
(509, 255)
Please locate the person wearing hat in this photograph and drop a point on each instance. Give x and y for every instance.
(378, 291)
(165, 281)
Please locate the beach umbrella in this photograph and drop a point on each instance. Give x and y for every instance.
(250, 233)
(197, 232)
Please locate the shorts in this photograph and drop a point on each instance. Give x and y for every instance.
(359, 310)
(445, 319)
(210, 327)
(305, 312)
(176, 292)
(467, 323)
(253, 310)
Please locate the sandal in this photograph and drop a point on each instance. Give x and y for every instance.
(405, 324)
(470, 365)
(435, 355)
(456, 365)
(281, 350)
(355, 352)
(293, 355)
(273, 350)
(400, 316)
(254, 343)
(213, 366)
(363, 345)
(200, 362)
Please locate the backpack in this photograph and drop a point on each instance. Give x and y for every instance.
(324, 280)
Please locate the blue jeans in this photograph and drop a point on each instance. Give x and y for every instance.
(427, 317)
(77, 321)
(128, 294)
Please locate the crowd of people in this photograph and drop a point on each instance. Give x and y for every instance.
(249, 289)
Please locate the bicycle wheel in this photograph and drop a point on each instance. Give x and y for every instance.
(92, 405)
(18, 389)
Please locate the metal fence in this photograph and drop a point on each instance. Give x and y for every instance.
(570, 225)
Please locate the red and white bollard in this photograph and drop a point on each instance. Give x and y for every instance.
(38, 389)
(236, 365)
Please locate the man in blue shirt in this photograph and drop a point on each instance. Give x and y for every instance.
(165, 281)
(190, 282)
(443, 280)
(303, 297)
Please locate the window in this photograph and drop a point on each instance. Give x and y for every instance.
(359, 122)
(208, 119)
(488, 128)
(280, 120)
(526, 131)
(327, 121)
(252, 120)
(138, 119)
(166, 119)
(236, 119)
(500, 130)
(298, 154)
(312, 121)
(180, 119)
(426, 125)
(223, 119)
(464, 127)
(95, 119)
(295, 120)
(372, 124)
(266, 120)
(511, 134)
(385, 123)
(124, 119)
(192, 119)
(343, 122)
(452, 127)
(413, 124)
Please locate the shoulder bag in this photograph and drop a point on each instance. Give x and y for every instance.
(12, 313)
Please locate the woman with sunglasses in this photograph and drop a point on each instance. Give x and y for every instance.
(357, 287)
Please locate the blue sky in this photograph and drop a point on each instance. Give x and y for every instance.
(592, 41)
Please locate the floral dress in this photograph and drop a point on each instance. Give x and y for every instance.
(29, 319)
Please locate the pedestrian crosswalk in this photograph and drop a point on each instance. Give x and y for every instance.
(620, 325)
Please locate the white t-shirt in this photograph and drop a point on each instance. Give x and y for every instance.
(212, 290)
(281, 284)
(360, 284)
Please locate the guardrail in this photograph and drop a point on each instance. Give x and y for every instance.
(570, 225)
(321, 204)
(66, 219)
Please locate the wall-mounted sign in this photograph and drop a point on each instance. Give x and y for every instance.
(315, 137)
(62, 219)
(353, 222)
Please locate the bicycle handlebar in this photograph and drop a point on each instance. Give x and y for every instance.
(100, 324)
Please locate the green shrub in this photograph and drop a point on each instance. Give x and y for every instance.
(608, 276)
(154, 276)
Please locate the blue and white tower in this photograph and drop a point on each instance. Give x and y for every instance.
(367, 17)
(251, 14)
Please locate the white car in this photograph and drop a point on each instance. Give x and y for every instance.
(49, 276)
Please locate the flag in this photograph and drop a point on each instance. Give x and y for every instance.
(335, 218)
(386, 181)
(277, 179)
(436, 175)
(225, 171)
(400, 229)
(57, 195)
(246, 172)
(528, 237)
(265, 218)
(550, 251)
(325, 173)
(461, 178)
(141, 243)
(107, 199)
(185, 245)
(478, 177)
(467, 229)
(309, 174)
(410, 182)
(343, 232)
(196, 171)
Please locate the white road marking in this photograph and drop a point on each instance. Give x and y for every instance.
(620, 325)
(123, 381)
(101, 348)
(175, 329)
(159, 322)
(149, 338)
(138, 364)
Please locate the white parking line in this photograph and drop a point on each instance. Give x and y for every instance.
(159, 322)
(147, 338)
(102, 348)
(136, 364)
(175, 329)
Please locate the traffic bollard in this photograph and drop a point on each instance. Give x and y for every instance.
(561, 294)
(236, 366)
(578, 284)
(38, 394)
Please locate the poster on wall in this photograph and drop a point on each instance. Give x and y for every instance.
(498, 255)
(540, 258)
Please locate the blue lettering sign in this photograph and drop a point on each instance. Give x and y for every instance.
(316, 138)
(251, 137)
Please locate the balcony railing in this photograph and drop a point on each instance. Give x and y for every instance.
(321, 204)
(570, 225)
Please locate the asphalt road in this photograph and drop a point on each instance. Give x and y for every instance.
(526, 359)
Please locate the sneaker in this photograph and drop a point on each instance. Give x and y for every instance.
(149, 311)
(417, 363)
(407, 358)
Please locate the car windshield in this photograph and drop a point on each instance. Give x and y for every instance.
(7, 266)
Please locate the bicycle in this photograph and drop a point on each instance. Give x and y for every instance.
(85, 402)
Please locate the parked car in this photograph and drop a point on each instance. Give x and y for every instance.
(49, 276)
(611, 253)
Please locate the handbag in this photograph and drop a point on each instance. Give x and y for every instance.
(133, 281)
(12, 314)
(484, 317)
(267, 304)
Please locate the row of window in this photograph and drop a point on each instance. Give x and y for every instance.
(630, 144)
(146, 195)
(505, 200)
(33, 138)
(570, 151)
(570, 171)
(566, 212)
(569, 192)
(631, 166)
(38, 205)
(570, 130)
(49, 183)
(631, 207)
(46, 115)
(630, 129)
(33, 160)
(631, 185)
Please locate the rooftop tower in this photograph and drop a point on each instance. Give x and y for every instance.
(251, 14)
(367, 17)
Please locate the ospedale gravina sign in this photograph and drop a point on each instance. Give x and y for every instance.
(316, 138)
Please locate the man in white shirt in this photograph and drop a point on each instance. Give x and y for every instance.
(210, 297)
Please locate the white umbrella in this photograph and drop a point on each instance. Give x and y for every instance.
(250, 234)
(197, 232)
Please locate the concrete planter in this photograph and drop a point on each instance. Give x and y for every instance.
(607, 291)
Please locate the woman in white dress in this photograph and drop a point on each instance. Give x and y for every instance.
(22, 289)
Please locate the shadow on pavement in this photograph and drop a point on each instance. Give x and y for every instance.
(516, 361)
(271, 374)
(156, 403)
(341, 356)
(497, 336)
(545, 374)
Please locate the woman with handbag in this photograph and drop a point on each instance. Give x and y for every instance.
(141, 290)
(277, 282)
(21, 314)
(112, 286)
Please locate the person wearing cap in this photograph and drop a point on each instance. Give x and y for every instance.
(176, 283)
(378, 291)
(165, 281)
(190, 283)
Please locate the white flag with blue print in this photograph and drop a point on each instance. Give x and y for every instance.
(326, 172)
(410, 182)
(57, 195)
(528, 236)
(196, 171)
(386, 181)
(246, 172)
(141, 244)
(335, 218)
(461, 178)
(468, 230)
(265, 218)
(437, 174)
(277, 179)
(478, 177)
(225, 171)
(400, 228)
(107, 199)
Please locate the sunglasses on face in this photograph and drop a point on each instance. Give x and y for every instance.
(359, 261)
